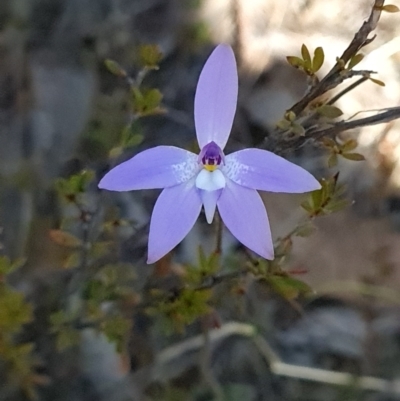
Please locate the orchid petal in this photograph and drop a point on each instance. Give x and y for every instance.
(159, 167)
(175, 212)
(210, 180)
(244, 214)
(263, 170)
(209, 200)
(216, 97)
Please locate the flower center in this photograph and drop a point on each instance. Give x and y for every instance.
(211, 156)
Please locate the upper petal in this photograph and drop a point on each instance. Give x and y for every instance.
(216, 97)
(244, 214)
(159, 167)
(174, 214)
(263, 170)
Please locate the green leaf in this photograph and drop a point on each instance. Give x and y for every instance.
(336, 206)
(294, 61)
(14, 311)
(318, 59)
(115, 68)
(328, 142)
(150, 56)
(349, 145)
(73, 260)
(67, 337)
(6, 267)
(305, 54)
(329, 111)
(116, 330)
(298, 129)
(332, 160)
(390, 8)
(305, 230)
(353, 156)
(377, 81)
(284, 124)
(148, 102)
(355, 60)
(288, 287)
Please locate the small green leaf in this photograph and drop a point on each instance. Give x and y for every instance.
(377, 81)
(73, 260)
(349, 145)
(390, 8)
(305, 54)
(353, 156)
(150, 56)
(288, 287)
(148, 102)
(115, 152)
(305, 230)
(332, 160)
(66, 338)
(356, 59)
(328, 142)
(329, 111)
(318, 59)
(294, 61)
(116, 330)
(298, 129)
(336, 206)
(115, 68)
(283, 124)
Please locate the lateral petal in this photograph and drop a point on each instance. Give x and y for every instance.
(263, 170)
(175, 212)
(216, 97)
(159, 167)
(244, 214)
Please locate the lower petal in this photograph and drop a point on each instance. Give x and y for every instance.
(244, 214)
(175, 212)
(209, 199)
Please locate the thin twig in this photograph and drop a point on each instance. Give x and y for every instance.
(360, 40)
(347, 90)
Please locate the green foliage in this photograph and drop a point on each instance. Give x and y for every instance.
(208, 266)
(289, 124)
(116, 329)
(69, 188)
(150, 56)
(307, 64)
(115, 68)
(329, 111)
(15, 313)
(390, 8)
(147, 102)
(288, 287)
(329, 199)
(343, 149)
(187, 306)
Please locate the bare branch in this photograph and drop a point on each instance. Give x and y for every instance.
(331, 79)
(380, 118)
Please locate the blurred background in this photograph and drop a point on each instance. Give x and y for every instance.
(61, 111)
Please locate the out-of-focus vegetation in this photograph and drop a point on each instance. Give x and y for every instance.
(86, 84)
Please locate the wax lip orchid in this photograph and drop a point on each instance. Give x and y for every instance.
(210, 179)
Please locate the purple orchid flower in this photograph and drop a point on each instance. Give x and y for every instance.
(210, 179)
